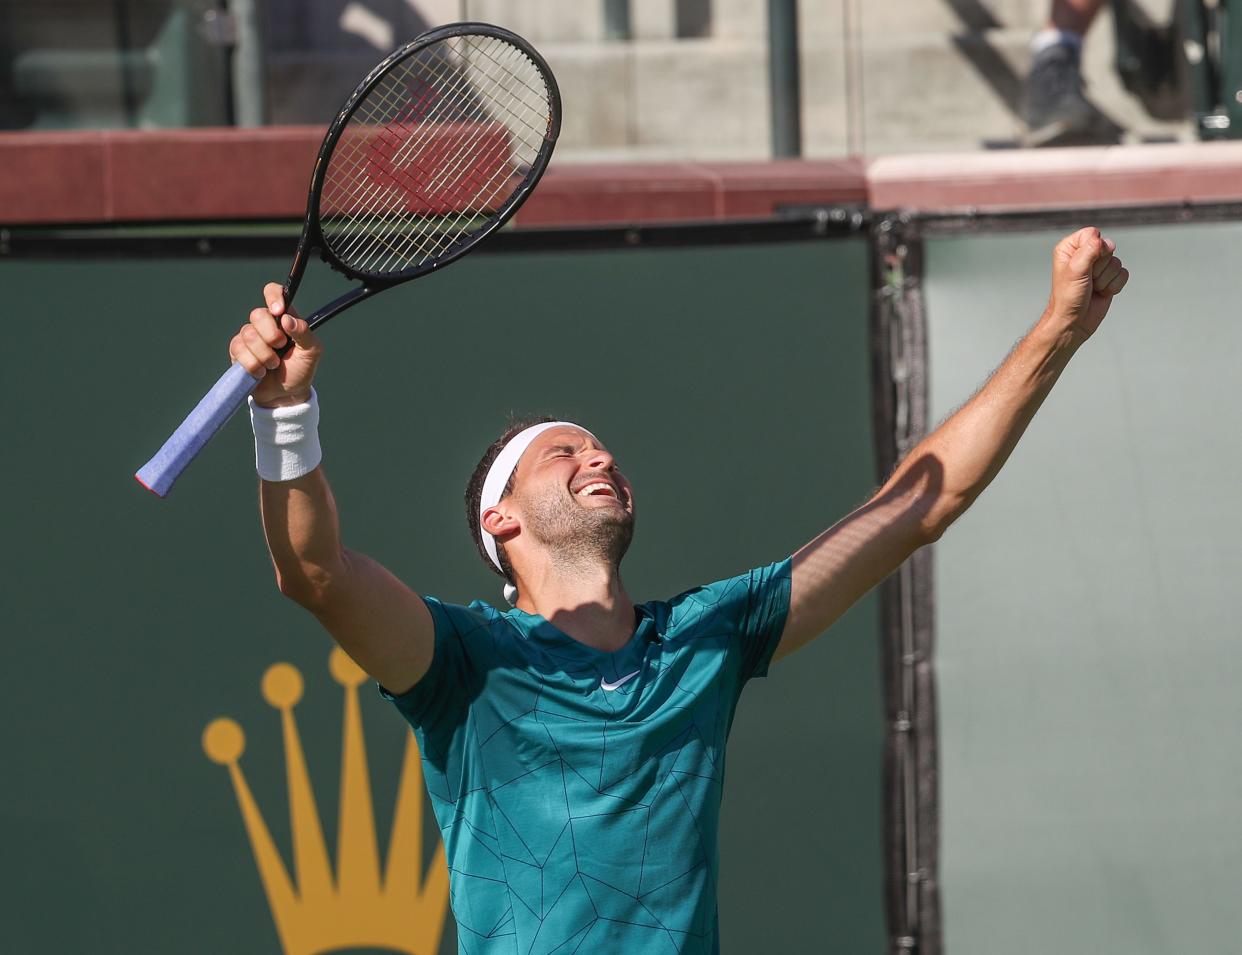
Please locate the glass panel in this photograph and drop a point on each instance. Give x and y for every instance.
(876, 78)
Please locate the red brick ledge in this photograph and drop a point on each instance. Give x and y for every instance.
(129, 175)
(205, 174)
(199, 174)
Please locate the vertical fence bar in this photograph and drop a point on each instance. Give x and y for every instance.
(617, 24)
(912, 823)
(1229, 38)
(784, 78)
(249, 78)
(855, 107)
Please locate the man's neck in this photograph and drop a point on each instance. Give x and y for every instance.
(589, 604)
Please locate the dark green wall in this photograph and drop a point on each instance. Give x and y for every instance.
(131, 623)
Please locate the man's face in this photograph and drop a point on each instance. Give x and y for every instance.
(572, 498)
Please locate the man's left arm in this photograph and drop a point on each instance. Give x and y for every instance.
(949, 468)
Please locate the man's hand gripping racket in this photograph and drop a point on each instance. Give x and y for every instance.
(434, 151)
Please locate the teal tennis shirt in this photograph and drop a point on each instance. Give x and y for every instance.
(578, 792)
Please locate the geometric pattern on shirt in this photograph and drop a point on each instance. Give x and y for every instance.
(600, 829)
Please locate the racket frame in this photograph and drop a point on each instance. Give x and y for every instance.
(312, 233)
(230, 391)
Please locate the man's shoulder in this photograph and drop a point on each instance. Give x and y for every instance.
(724, 601)
(463, 620)
(691, 608)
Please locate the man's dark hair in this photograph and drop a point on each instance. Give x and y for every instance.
(474, 489)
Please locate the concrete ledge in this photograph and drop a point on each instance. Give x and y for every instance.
(215, 174)
(1059, 178)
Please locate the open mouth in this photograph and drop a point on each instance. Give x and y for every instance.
(599, 489)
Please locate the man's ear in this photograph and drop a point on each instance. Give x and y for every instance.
(498, 523)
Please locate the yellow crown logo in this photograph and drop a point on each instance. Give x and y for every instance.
(404, 909)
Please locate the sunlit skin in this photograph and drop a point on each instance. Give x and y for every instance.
(566, 550)
(947, 471)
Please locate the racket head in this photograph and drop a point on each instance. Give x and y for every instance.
(433, 151)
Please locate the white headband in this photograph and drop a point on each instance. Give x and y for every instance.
(498, 478)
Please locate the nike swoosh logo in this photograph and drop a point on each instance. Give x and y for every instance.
(605, 685)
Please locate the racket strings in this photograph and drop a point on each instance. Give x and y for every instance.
(452, 105)
(370, 193)
(429, 153)
(388, 110)
(495, 91)
(486, 192)
(434, 242)
(390, 98)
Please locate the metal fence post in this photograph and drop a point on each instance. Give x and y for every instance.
(784, 78)
(249, 76)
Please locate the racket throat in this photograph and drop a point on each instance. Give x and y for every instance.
(332, 309)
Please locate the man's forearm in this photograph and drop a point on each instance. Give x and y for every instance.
(303, 535)
(951, 466)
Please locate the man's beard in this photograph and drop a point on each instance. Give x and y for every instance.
(577, 535)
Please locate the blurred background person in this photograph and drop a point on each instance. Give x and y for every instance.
(1058, 112)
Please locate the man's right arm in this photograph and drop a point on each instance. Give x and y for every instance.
(376, 619)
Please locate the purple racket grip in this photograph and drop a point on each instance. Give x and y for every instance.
(217, 406)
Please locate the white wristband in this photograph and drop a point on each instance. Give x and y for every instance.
(286, 440)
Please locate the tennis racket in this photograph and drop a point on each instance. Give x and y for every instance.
(432, 153)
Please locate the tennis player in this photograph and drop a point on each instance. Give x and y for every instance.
(573, 740)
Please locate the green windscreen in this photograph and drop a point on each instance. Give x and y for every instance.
(1086, 612)
(731, 383)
